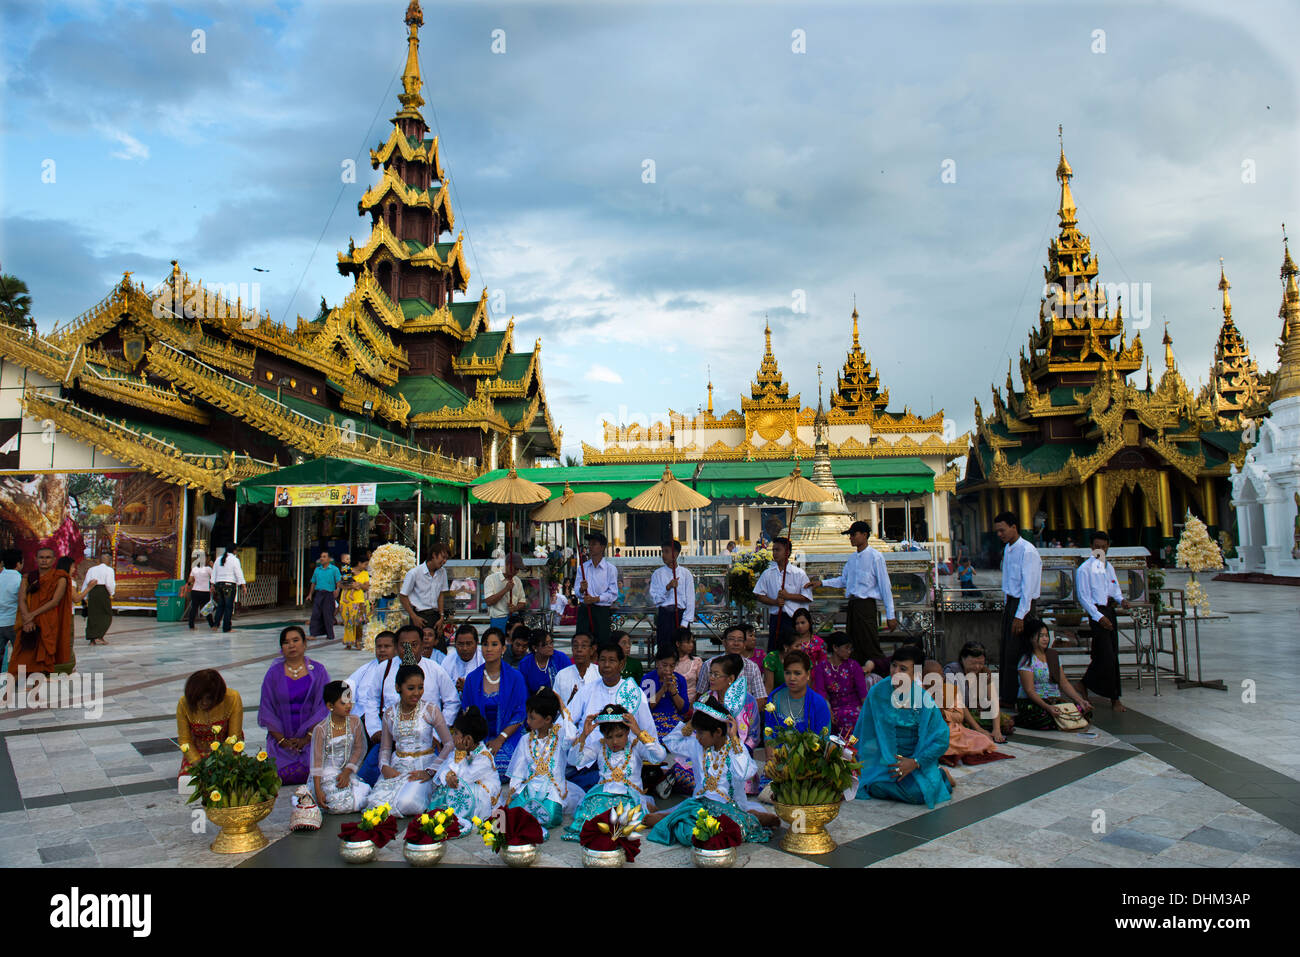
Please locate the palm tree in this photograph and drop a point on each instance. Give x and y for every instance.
(15, 303)
(572, 461)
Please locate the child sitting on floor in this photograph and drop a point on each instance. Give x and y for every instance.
(619, 761)
(467, 782)
(537, 768)
(338, 746)
(721, 766)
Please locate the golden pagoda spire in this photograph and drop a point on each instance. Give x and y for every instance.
(767, 334)
(1170, 364)
(410, 96)
(855, 320)
(710, 391)
(1225, 286)
(1067, 209)
(1286, 383)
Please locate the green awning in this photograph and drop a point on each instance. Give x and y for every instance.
(391, 484)
(619, 482)
(735, 481)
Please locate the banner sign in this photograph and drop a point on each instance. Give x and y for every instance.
(315, 495)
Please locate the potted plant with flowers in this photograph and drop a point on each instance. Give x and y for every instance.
(236, 789)
(714, 840)
(427, 835)
(513, 833)
(360, 842)
(810, 772)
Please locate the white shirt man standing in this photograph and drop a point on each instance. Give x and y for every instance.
(865, 581)
(784, 587)
(424, 586)
(672, 589)
(1022, 577)
(596, 590)
(1096, 585)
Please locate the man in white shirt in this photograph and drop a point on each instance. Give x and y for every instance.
(439, 688)
(785, 588)
(503, 592)
(733, 643)
(571, 681)
(372, 692)
(424, 586)
(672, 589)
(466, 658)
(228, 584)
(97, 592)
(1022, 577)
(612, 688)
(596, 590)
(865, 581)
(1097, 587)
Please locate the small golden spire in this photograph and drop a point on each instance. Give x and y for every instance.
(410, 96)
(767, 333)
(855, 319)
(1225, 286)
(1067, 209)
(710, 390)
(1170, 364)
(1286, 382)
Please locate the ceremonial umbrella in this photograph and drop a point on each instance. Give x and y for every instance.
(571, 505)
(669, 495)
(792, 488)
(511, 490)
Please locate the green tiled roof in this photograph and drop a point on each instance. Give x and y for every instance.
(184, 440)
(1064, 395)
(411, 308)
(413, 246)
(463, 312)
(428, 393)
(515, 366)
(482, 346)
(1051, 457)
(1227, 442)
(512, 410)
(319, 413)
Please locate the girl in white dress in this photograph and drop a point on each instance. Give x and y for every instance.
(620, 749)
(338, 745)
(414, 733)
(536, 776)
(468, 781)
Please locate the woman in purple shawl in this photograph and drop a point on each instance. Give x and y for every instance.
(292, 703)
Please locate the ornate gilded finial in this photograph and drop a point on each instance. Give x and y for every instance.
(1170, 364)
(1148, 373)
(855, 319)
(1067, 209)
(710, 390)
(1224, 285)
(1286, 381)
(410, 96)
(819, 383)
(767, 333)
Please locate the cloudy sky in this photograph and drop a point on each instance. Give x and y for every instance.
(780, 175)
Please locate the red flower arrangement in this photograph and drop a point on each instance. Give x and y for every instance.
(616, 828)
(512, 827)
(377, 826)
(433, 828)
(718, 835)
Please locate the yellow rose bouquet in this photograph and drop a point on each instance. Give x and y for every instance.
(227, 776)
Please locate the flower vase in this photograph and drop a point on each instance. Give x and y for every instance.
(424, 855)
(722, 857)
(239, 832)
(807, 827)
(520, 855)
(357, 852)
(594, 858)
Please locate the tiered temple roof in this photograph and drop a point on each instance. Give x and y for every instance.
(397, 373)
(1234, 385)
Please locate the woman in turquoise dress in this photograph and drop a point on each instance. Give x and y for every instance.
(901, 736)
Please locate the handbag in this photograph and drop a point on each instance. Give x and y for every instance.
(1068, 718)
(208, 608)
(306, 815)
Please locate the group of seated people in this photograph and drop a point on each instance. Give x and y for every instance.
(481, 724)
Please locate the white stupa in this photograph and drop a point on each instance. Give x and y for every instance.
(1266, 490)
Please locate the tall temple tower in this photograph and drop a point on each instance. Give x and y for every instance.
(1234, 385)
(1078, 447)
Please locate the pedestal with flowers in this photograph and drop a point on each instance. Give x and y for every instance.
(360, 842)
(1197, 552)
(388, 567)
(427, 836)
(236, 789)
(810, 772)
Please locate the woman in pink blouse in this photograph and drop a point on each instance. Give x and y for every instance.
(842, 682)
(688, 662)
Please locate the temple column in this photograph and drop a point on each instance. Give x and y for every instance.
(875, 518)
(1126, 508)
(1166, 506)
(1053, 514)
(1098, 491)
(1089, 521)
(1211, 506)
(739, 532)
(673, 534)
(1022, 509)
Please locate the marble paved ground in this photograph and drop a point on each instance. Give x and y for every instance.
(1190, 778)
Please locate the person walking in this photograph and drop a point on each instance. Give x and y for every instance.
(97, 592)
(199, 586)
(323, 596)
(228, 584)
(1098, 591)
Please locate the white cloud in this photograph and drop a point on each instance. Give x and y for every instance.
(600, 373)
(132, 148)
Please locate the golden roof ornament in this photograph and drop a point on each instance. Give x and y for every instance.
(1067, 209)
(410, 96)
(1286, 381)
(1225, 286)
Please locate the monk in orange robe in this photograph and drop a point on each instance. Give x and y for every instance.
(43, 626)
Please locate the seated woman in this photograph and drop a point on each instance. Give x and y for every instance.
(965, 737)
(415, 744)
(208, 711)
(794, 704)
(338, 746)
(540, 668)
(291, 704)
(669, 704)
(901, 737)
(970, 670)
(498, 692)
(1043, 685)
(805, 639)
(688, 662)
(843, 683)
(632, 667)
(720, 766)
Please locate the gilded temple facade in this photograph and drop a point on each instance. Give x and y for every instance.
(1078, 447)
(185, 382)
(772, 424)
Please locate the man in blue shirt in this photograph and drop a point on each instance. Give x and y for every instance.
(326, 580)
(11, 579)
